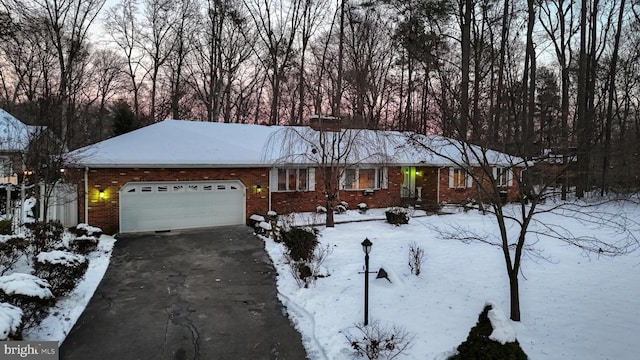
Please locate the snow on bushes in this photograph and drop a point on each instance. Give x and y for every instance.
(485, 340)
(397, 216)
(10, 322)
(26, 285)
(61, 269)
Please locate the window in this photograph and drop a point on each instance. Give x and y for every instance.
(503, 176)
(459, 178)
(293, 179)
(361, 179)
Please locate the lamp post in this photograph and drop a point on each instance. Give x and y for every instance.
(366, 247)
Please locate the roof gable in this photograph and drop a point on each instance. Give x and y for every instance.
(14, 134)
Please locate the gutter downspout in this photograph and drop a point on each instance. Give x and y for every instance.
(438, 187)
(269, 175)
(86, 195)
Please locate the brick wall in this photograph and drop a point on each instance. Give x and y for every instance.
(104, 212)
(458, 195)
(287, 202)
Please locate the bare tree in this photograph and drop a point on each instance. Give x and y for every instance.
(159, 17)
(277, 23)
(183, 39)
(330, 151)
(221, 52)
(67, 25)
(520, 223)
(122, 24)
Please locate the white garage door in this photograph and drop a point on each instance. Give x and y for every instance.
(156, 206)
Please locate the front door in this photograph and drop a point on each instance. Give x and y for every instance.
(408, 188)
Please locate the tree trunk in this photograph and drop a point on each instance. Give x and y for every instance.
(612, 84)
(465, 14)
(514, 297)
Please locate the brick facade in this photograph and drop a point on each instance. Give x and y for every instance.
(104, 212)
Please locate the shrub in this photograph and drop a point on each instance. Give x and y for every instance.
(6, 227)
(61, 269)
(28, 292)
(479, 346)
(301, 242)
(363, 207)
(376, 341)
(85, 230)
(10, 322)
(45, 236)
(10, 252)
(306, 272)
(83, 244)
(416, 258)
(342, 207)
(397, 216)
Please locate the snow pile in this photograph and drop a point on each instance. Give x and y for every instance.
(10, 319)
(91, 230)
(266, 226)
(25, 284)
(61, 257)
(27, 210)
(257, 218)
(503, 331)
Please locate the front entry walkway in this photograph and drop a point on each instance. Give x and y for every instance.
(205, 294)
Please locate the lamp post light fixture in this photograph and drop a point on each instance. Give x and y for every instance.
(366, 247)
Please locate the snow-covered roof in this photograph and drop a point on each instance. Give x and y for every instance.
(180, 143)
(14, 134)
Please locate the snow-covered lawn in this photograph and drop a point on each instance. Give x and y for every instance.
(574, 305)
(64, 314)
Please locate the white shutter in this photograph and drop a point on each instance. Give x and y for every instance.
(273, 180)
(451, 170)
(495, 175)
(312, 179)
(342, 179)
(510, 177)
(469, 178)
(384, 182)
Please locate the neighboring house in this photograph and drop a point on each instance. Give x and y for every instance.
(186, 174)
(14, 138)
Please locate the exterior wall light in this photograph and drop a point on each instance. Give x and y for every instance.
(101, 194)
(258, 189)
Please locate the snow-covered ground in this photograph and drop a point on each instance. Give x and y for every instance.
(67, 310)
(574, 305)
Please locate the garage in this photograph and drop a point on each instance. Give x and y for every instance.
(166, 205)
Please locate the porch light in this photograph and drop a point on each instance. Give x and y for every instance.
(258, 189)
(101, 194)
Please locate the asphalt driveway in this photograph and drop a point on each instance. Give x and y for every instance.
(200, 294)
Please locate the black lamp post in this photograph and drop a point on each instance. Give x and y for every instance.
(366, 247)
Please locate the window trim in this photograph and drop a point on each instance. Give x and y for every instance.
(380, 180)
(468, 180)
(275, 179)
(507, 176)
